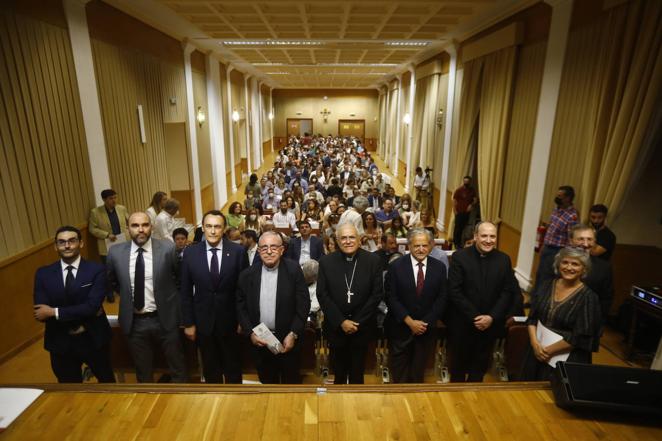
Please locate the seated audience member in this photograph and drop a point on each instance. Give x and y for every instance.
(270, 202)
(233, 235)
(158, 203)
(310, 268)
(312, 212)
(386, 214)
(252, 221)
(249, 241)
(165, 220)
(251, 201)
(306, 247)
(397, 228)
(68, 298)
(427, 221)
(405, 199)
(569, 308)
(353, 215)
(234, 217)
(180, 237)
(284, 217)
(411, 216)
(375, 199)
(253, 186)
(372, 237)
(330, 243)
(389, 248)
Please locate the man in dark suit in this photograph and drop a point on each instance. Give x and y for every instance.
(349, 288)
(274, 292)
(67, 297)
(210, 270)
(144, 271)
(416, 296)
(305, 247)
(481, 288)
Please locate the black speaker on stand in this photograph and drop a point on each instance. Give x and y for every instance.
(591, 386)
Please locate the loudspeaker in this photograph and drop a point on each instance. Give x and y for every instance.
(622, 389)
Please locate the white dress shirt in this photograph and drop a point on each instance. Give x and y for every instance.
(150, 302)
(414, 265)
(305, 251)
(210, 254)
(251, 254)
(268, 288)
(164, 225)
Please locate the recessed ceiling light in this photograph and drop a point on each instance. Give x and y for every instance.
(272, 43)
(407, 43)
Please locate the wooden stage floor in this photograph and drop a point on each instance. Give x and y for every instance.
(512, 411)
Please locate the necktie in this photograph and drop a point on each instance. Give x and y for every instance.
(420, 279)
(69, 283)
(213, 268)
(139, 282)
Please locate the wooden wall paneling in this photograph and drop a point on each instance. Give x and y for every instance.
(173, 86)
(371, 144)
(402, 171)
(509, 239)
(185, 198)
(266, 148)
(207, 196)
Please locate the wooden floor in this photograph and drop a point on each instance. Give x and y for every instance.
(512, 412)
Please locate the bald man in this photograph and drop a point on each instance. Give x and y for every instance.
(349, 288)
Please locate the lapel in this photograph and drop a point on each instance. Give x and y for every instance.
(411, 276)
(256, 285)
(58, 278)
(157, 262)
(204, 265)
(126, 257)
(281, 285)
(226, 261)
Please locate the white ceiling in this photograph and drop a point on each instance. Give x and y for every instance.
(321, 43)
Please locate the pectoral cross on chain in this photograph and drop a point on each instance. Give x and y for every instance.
(349, 296)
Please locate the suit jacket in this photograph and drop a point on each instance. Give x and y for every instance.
(294, 248)
(292, 299)
(471, 293)
(332, 294)
(165, 270)
(203, 304)
(401, 298)
(81, 307)
(99, 224)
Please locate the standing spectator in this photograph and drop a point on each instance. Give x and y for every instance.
(463, 200)
(605, 239)
(108, 221)
(165, 221)
(158, 203)
(235, 218)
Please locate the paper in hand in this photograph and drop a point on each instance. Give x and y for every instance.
(263, 333)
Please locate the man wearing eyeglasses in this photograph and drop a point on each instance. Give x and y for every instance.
(349, 288)
(273, 291)
(209, 274)
(68, 296)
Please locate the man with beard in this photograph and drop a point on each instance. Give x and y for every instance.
(144, 271)
(605, 239)
(349, 288)
(563, 217)
(481, 288)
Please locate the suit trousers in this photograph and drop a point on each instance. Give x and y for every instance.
(277, 369)
(348, 362)
(147, 332)
(461, 221)
(470, 355)
(67, 366)
(221, 357)
(408, 357)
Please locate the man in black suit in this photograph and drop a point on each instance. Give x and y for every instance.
(274, 292)
(67, 297)
(481, 287)
(305, 247)
(349, 288)
(416, 296)
(210, 270)
(145, 273)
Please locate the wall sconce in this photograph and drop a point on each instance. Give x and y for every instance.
(440, 118)
(406, 119)
(325, 113)
(235, 116)
(270, 116)
(200, 116)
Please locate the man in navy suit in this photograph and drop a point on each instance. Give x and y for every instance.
(68, 295)
(416, 295)
(274, 292)
(210, 270)
(305, 247)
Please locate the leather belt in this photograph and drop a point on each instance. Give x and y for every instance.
(145, 314)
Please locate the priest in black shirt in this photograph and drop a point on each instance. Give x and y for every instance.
(349, 288)
(482, 287)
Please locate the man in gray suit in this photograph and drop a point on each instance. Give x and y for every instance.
(145, 272)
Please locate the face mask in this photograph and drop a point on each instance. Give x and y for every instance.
(271, 195)
(558, 200)
(252, 217)
(406, 207)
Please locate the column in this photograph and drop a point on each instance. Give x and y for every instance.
(410, 125)
(230, 68)
(81, 48)
(247, 123)
(542, 138)
(216, 139)
(260, 121)
(398, 124)
(446, 147)
(190, 127)
(271, 117)
(255, 116)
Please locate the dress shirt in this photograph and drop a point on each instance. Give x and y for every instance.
(164, 225)
(219, 253)
(251, 254)
(414, 266)
(268, 287)
(114, 221)
(74, 272)
(150, 302)
(281, 219)
(305, 251)
(418, 181)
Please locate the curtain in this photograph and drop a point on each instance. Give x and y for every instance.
(494, 118)
(629, 91)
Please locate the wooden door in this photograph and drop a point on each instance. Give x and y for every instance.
(352, 127)
(293, 127)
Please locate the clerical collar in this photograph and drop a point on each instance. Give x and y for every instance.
(271, 270)
(349, 258)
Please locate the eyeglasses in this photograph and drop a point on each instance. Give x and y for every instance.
(272, 248)
(347, 238)
(64, 243)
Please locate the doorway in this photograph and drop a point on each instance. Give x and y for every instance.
(299, 126)
(352, 127)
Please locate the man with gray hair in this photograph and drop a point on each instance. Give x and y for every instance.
(416, 292)
(353, 215)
